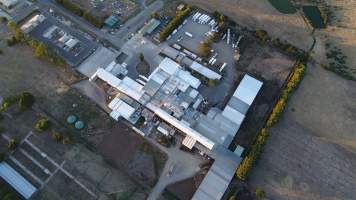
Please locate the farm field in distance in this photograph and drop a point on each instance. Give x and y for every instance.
(178, 99)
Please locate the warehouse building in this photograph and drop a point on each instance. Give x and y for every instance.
(9, 3)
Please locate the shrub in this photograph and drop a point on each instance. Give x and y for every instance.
(292, 83)
(40, 50)
(71, 6)
(57, 136)
(174, 23)
(93, 20)
(155, 15)
(12, 144)
(8, 102)
(3, 19)
(66, 140)
(26, 100)
(260, 193)
(262, 35)
(142, 57)
(42, 124)
(247, 163)
(11, 41)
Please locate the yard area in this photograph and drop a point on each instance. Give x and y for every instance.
(93, 168)
(311, 152)
(260, 14)
(272, 67)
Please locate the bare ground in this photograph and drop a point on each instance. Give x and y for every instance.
(311, 153)
(259, 14)
(273, 68)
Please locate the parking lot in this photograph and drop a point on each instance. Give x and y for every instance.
(73, 56)
(216, 95)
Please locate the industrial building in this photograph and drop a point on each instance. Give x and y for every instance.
(68, 43)
(16, 180)
(9, 3)
(172, 94)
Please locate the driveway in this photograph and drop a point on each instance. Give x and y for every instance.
(117, 40)
(185, 165)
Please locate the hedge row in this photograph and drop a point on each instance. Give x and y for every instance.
(256, 149)
(293, 82)
(80, 12)
(283, 46)
(174, 23)
(250, 159)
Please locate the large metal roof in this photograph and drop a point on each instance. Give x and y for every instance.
(208, 73)
(248, 89)
(18, 182)
(219, 176)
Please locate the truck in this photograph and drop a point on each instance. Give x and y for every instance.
(189, 34)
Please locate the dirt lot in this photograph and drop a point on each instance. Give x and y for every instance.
(124, 148)
(311, 153)
(273, 68)
(125, 8)
(20, 71)
(259, 14)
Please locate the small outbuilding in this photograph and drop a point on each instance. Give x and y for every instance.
(111, 21)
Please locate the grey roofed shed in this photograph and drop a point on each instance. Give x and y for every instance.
(16, 180)
(151, 26)
(151, 87)
(219, 176)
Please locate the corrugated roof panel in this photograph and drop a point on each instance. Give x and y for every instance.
(18, 182)
(169, 66)
(233, 115)
(248, 89)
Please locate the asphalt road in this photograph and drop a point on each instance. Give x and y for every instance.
(131, 26)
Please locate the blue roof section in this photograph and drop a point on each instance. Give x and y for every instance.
(18, 182)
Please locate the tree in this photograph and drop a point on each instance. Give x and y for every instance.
(203, 49)
(57, 136)
(26, 100)
(12, 144)
(66, 140)
(142, 57)
(260, 193)
(18, 34)
(3, 19)
(12, 26)
(262, 35)
(155, 15)
(42, 124)
(40, 50)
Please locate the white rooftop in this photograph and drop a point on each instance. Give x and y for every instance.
(16, 180)
(120, 108)
(248, 89)
(208, 73)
